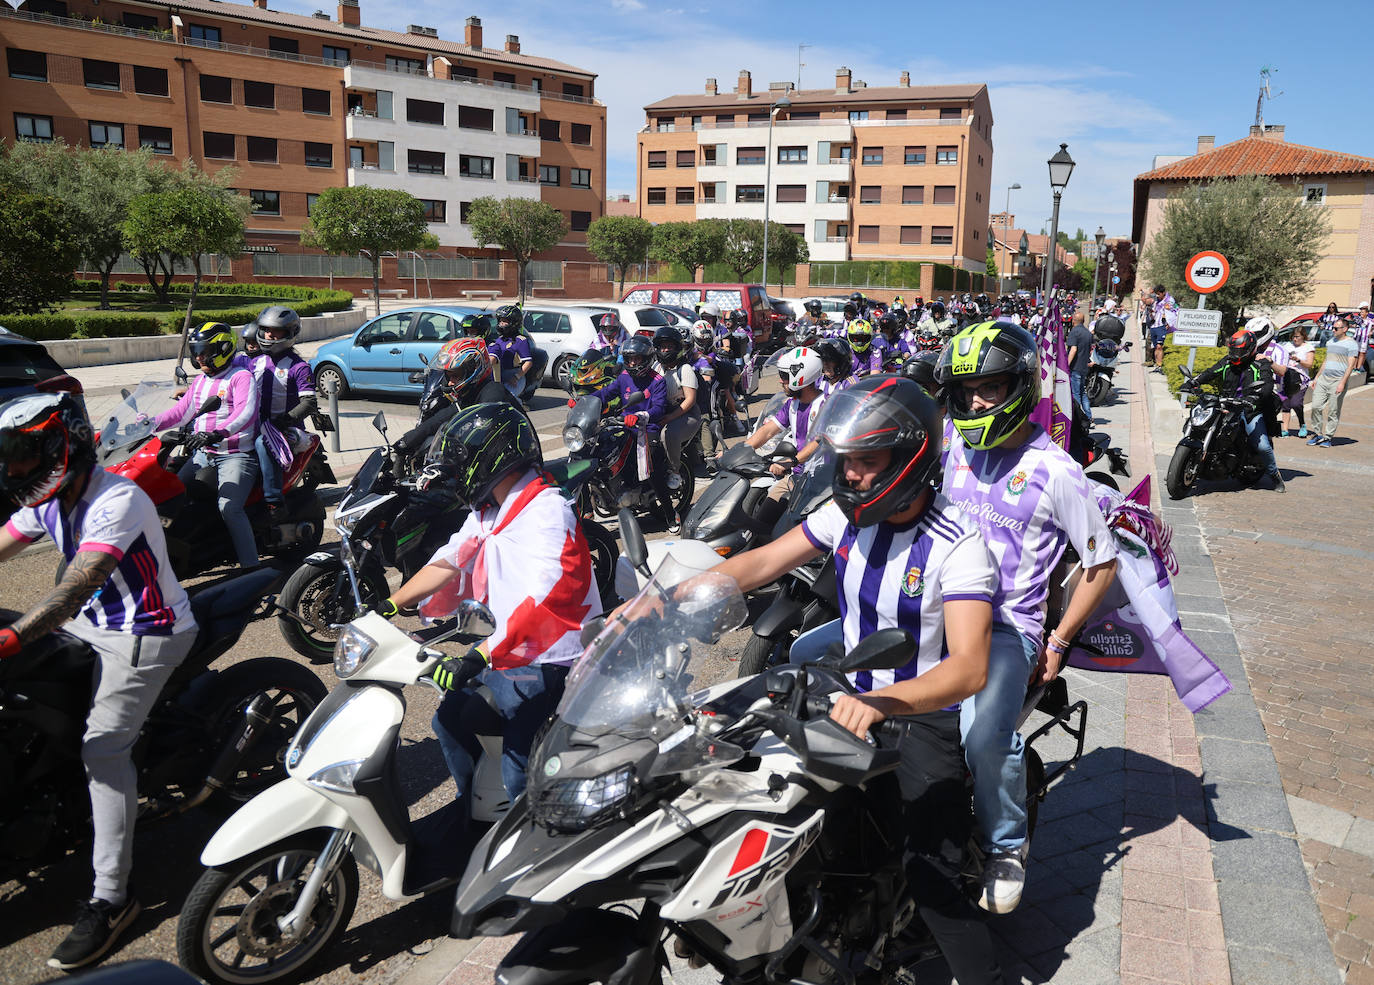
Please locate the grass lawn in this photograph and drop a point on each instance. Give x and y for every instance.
(123, 302)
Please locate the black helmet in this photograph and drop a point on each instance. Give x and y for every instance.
(638, 355)
(883, 412)
(937, 310)
(980, 352)
(212, 347)
(888, 323)
(901, 316)
(668, 345)
(851, 310)
(479, 447)
(813, 308)
(836, 355)
(509, 316)
(52, 430)
(280, 321)
(739, 318)
(921, 368)
(857, 298)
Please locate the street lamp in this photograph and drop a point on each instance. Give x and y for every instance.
(1061, 166)
(783, 103)
(1100, 236)
(1006, 222)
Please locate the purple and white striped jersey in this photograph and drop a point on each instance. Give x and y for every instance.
(1029, 502)
(281, 381)
(115, 517)
(237, 413)
(902, 575)
(795, 418)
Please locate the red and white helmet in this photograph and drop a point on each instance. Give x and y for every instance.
(800, 368)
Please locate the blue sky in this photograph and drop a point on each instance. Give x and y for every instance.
(1119, 82)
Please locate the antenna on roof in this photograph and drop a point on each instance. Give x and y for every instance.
(1264, 93)
(800, 63)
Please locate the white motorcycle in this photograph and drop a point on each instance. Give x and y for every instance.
(281, 876)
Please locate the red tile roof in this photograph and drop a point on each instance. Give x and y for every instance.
(1260, 155)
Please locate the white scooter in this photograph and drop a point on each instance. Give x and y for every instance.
(281, 876)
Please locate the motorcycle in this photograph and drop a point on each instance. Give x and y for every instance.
(197, 539)
(750, 825)
(281, 876)
(1106, 353)
(215, 737)
(1214, 445)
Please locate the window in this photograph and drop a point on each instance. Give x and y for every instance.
(796, 228)
(868, 234)
(339, 56)
(506, 79)
(220, 146)
(424, 111)
(914, 155)
(748, 193)
(476, 118)
(656, 196)
(464, 210)
(858, 115)
(980, 160)
(664, 124)
(873, 155)
(436, 209)
(580, 177)
(791, 155)
(581, 134)
(911, 236)
(749, 155)
(310, 199)
(1314, 194)
(975, 235)
(472, 166)
(107, 134)
(463, 72)
(943, 195)
(265, 203)
(28, 127)
(100, 75)
(913, 194)
(946, 155)
(686, 158)
(758, 117)
(315, 101)
(951, 113)
(712, 154)
(548, 130)
(284, 46)
(53, 8)
(573, 89)
(140, 22)
(156, 139)
(425, 161)
(263, 95)
(870, 194)
(31, 65)
(548, 174)
(685, 196)
(896, 114)
(696, 123)
(790, 193)
(319, 155)
(150, 81)
(658, 159)
(414, 66)
(725, 119)
(262, 150)
(203, 33)
(216, 89)
(580, 221)
(941, 235)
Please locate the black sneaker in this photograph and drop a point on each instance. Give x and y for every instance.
(97, 926)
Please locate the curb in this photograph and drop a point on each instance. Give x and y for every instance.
(1273, 930)
(438, 963)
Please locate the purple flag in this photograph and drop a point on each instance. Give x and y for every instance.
(1055, 393)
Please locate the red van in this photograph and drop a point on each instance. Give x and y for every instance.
(728, 297)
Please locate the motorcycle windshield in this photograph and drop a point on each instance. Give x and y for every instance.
(130, 424)
(585, 414)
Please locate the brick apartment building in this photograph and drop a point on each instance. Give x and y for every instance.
(898, 172)
(299, 104)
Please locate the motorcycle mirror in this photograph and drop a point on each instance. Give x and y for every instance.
(887, 649)
(592, 629)
(635, 548)
(210, 405)
(124, 393)
(423, 358)
(634, 399)
(785, 449)
(1186, 371)
(475, 619)
(416, 377)
(379, 422)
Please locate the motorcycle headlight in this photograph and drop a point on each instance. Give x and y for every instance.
(1201, 414)
(579, 804)
(353, 647)
(573, 439)
(338, 777)
(345, 522)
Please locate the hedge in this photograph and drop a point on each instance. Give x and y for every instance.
(1176, 357)
(961, 279)
(944, 277)
(901, 275)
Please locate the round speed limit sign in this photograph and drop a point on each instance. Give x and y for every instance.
(1207, 272)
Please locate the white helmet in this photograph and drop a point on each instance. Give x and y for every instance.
(800, 368)
(703, 334)
(1109, 305)
(1264, 332)
(709, 309)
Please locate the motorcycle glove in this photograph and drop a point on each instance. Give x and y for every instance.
(203, 439)
(9, 642)
(454, 672)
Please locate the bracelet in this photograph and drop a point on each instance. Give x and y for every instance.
(1054, 639)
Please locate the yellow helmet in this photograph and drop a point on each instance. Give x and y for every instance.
(211, 347)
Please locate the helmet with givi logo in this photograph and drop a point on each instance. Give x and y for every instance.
(982, 352)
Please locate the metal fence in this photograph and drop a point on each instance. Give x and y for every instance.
(858, 275)
(211, 265)
(450, 268)
(310, 265)
(545, 273)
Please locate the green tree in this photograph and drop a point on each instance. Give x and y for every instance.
(693, 245)
(39, 249)
(620, 240)
(1271, 238)
(992, 270)
(197, 214)
(743, 245)
(785, 250)
(521, 227)
(363, 219)
(1083, 269)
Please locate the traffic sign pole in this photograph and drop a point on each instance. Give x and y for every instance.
(1192, 351)
(1206, 272)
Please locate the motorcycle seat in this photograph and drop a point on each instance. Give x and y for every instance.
(219, 607)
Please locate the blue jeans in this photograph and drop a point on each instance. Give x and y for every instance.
(1258, 431)
(524, 698)
(1076, 389)
(235, 476)
(271, 472)
(993, 749)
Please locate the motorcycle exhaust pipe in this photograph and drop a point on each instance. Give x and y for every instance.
(255, 720)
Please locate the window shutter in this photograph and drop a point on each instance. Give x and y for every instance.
(512, 167)
(386, 155)
(383, 104)
(822, 191)
(722, 154)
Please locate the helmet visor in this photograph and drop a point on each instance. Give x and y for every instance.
(862, 420)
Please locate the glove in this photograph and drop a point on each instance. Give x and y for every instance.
(173, 437)
(572, 401)
(631, 420)
(390, 610)
(9, 642)
(202, 439)
(453, 672)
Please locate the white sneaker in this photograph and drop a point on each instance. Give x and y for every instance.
(674, 481)
(1004, 877)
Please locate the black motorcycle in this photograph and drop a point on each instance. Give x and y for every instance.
(724, 516)
(1097, 385)
(215, 737)
(1215, 444)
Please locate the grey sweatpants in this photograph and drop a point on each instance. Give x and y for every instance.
(1326, 405)
(128, 678)
(676, 434)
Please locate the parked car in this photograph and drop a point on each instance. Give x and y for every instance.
(383, 353)
(728, 297)
(1311, 322)
(831, 307)
(642, 319)
(26, 367)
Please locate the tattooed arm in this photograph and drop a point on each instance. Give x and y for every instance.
(85, 576)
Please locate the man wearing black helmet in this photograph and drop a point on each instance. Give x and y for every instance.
(682, 419)
(639, 375)
(1240, 374)
(511, 348)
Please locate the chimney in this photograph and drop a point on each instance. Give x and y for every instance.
(472, 32)
(842, 77)
(1274, 132)
(744, 88)
(260, 4)
(1257, 131)
(905, 80)
(1204, 144)
(710, 87)
(349, 13)
(513, 44)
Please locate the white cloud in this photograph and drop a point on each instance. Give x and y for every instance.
(625, 5)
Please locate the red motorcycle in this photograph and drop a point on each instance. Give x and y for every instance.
(197, 539)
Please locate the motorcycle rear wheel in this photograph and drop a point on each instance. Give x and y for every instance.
(761, 652)
(228, 936)
(605, 551)
(1182, 471)
(1098, 389)
(321, 596)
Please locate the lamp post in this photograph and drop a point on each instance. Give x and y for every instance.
(782, 103)
(1006, 223)
(1061, 166)
(1100, 236)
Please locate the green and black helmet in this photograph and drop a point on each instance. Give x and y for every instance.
(477, 448)
(981, 352)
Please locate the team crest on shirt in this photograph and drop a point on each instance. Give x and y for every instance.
(914, 583)
(1092, 544)
(1016, 485)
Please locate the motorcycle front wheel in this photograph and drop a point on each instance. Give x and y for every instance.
(1182, 471)
(761, 652)
(322, 596)
(228, 934)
